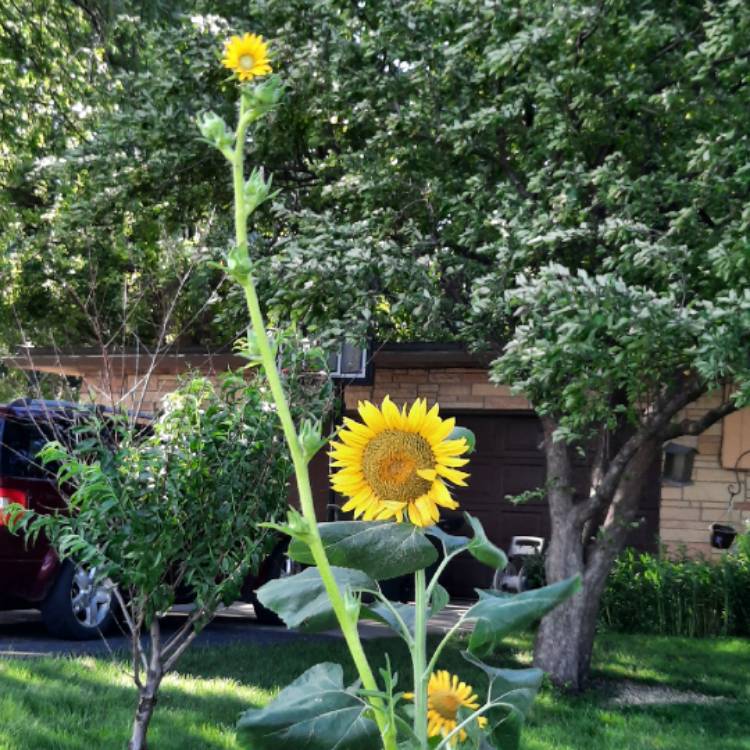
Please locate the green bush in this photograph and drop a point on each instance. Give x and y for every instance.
(679, 596)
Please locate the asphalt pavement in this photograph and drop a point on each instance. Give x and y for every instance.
(22, 633)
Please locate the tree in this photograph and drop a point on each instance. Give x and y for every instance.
(170, 506)
(429, 153)
(567, 186)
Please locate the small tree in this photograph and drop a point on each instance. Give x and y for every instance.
(171, 506)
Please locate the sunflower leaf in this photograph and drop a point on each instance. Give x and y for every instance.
(498, 614)
(512, 693)
(301, 600)
(482, 548)
(380, 549)
(479, 546)
(315, 712)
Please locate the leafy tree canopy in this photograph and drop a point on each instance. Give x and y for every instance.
(428, 154)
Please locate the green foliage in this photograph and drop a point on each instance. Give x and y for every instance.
(301, 600)
(371, 550)
(512, 691)
(479, 546)
(176, 504)
(315, 712)
(382, 550)
(682, 596)
(498, 614)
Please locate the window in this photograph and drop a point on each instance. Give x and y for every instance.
(19, 445)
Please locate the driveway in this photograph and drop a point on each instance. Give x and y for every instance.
(22, 633)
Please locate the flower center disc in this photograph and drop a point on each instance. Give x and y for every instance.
(390, 463)
(445, 703)
(246, 62)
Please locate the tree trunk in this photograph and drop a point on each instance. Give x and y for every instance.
(147, 693)
(565, 639)
(143, 714)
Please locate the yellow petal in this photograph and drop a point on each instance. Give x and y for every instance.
(416, 517)
(417, 414)
(451, 447)
(440, 495)
(450, 461)
(453, 475)
(428, 474)
(358, 428)
(427, 508)
(371, 416)
(391, 414)
(441, 432)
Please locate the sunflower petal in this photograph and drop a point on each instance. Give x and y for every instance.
(391, 414)
(453, 475)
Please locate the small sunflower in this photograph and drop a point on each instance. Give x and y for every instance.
(395, 463)
(445, 695)
(247, 56)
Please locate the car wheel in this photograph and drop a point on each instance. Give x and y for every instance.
(280, 566)
(78, 607)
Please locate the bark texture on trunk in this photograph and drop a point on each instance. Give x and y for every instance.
(147, 691)
(565, 638)
(143, 714)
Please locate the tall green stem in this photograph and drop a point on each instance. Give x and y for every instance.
(347, 623)
(419, 658)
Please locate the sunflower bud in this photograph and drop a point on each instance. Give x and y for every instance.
(310, 438)
(215, 131)
(256, 190)
(263, 97)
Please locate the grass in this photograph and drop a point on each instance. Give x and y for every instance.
(82, 703)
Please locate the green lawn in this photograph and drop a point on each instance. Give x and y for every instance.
(84, 703)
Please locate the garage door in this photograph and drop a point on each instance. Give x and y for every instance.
(508, 461)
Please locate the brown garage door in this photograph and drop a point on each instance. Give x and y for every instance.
(509, 460)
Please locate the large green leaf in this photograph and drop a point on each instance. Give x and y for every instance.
(499, 614)
(315, 712)
(479, 546)
(512, 691)
(301, 600)
(381, 549)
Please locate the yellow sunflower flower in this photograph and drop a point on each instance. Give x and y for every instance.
(247, 56)
(394, 464)
(445, 695)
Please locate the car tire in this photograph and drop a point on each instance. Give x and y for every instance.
(77, 608)
(280, 566)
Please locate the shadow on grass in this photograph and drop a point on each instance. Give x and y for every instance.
(79, 704)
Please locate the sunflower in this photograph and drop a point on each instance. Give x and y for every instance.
(445, 695)
(247, 56)
(395, 463)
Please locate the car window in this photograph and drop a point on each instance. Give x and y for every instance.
(19, 445)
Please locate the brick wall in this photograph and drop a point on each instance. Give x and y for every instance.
(452, 388)
(688, 511)
(126, 392)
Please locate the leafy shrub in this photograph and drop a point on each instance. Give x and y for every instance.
(679, 596)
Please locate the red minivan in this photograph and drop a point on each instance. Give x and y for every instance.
(73, 603)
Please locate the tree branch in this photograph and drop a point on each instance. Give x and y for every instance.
(697, 426)
(652, 427)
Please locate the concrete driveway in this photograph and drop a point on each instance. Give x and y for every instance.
(23, 635)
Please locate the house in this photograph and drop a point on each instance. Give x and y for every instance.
(508, 459)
